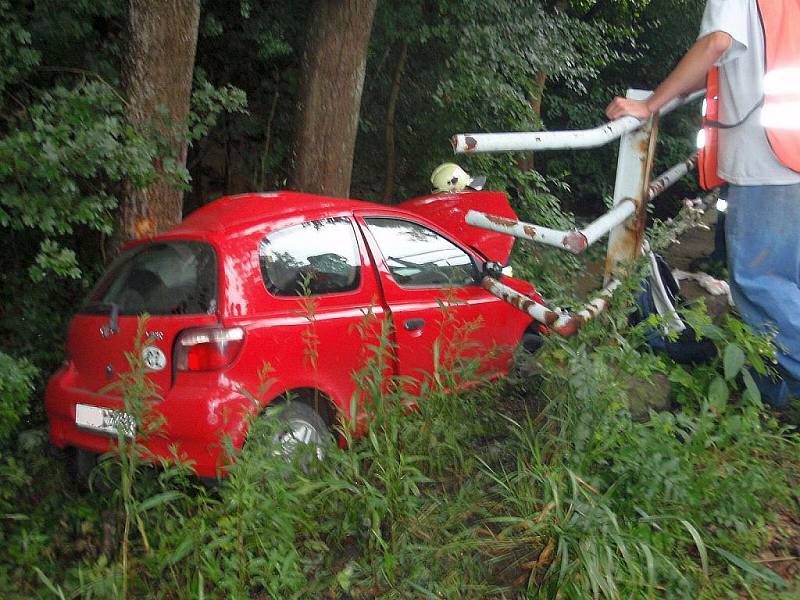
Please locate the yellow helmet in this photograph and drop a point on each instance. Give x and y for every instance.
(449, 177)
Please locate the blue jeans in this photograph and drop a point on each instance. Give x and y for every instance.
(762, 232)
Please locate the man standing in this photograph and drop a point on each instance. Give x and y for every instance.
(762, 227)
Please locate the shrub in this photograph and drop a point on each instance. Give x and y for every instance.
(16, 385)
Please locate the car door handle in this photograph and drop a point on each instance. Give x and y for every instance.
(413, 324)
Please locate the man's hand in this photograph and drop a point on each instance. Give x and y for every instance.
(622, 107)
(688, 76)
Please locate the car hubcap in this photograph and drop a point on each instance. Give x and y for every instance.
(299, 432)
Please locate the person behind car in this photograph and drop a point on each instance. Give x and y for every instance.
(757, 49)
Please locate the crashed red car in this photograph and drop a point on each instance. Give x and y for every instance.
(256, 279)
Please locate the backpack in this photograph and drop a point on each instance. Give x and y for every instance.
(660, 294)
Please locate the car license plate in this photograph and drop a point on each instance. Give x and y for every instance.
(106, 420)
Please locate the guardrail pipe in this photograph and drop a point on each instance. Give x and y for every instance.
(560, 140)
(520, 229)
(561, 322)
(670, 176)
(537, 311)
(592, 308)
(574, 240)
(602, 225)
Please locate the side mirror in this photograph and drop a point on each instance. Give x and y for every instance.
(492, 269)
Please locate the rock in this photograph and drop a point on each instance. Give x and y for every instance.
(644, 395)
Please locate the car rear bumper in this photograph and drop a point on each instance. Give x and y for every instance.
(199, 423)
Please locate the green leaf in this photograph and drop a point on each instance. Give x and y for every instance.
(682, 376)
(733, 360)
(159, 499)
(55, 589)
(345, 577)
(751, 568)
(182, 551)
(650, 562)
(751, 392)
(718, 394)
(698, 541)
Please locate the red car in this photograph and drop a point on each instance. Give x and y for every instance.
(286, 280)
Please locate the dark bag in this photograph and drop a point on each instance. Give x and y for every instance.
(660, 295)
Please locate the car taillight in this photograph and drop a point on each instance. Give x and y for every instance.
(207, 348)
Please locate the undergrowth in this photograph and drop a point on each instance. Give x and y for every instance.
(540, 486)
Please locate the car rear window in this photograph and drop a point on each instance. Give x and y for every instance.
(162, 278)
(317, 257)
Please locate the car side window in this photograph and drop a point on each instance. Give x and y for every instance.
(317, 257)
(419, 257)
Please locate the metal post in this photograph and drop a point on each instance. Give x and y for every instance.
(634, 166)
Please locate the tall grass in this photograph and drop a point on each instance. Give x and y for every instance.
(539, 486)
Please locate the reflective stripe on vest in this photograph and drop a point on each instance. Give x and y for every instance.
(781, 113)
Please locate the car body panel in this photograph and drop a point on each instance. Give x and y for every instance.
(448, 211)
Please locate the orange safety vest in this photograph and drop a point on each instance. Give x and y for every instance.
(780, 20)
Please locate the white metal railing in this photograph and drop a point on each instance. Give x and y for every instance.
(624, 222)
(558, 140)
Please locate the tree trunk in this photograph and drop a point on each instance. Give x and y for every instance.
(158, 84)
(526, 161)
(333, 69)
(391, 115)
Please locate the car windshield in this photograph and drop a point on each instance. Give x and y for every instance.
(162, 278)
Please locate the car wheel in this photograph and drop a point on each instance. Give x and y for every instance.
(299, 424)
(79, 466)
(531, 342)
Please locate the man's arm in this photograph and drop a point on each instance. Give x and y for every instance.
(688, 76)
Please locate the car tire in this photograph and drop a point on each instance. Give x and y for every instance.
(531, 342)
(300, 424)
(80, 464)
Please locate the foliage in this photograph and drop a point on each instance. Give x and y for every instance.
(208, 103)
(16, 53)
(502, 47)
(66, 151)
(57, 165)
(16, 386)
(473, 494)
(660, 31)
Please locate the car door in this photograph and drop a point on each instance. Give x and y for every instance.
(321, 314)
(441, 315)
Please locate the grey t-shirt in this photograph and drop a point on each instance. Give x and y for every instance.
(745, 157)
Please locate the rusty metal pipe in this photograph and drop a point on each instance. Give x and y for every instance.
(537, 311)
(602, 225)
(558, 140)
(670, 176)
(559, 321)
(590, 310)
(519, 229)
(575, 241)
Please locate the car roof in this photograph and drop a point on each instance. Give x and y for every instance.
(243, 214)
(233, 213)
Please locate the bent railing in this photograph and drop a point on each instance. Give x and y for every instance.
(625, 222)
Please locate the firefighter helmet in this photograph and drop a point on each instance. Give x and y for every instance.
(449, 177)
